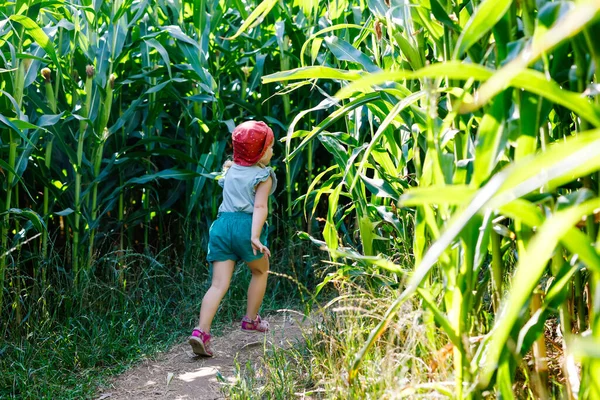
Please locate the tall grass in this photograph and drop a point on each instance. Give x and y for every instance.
(115, 324)
(410, 361)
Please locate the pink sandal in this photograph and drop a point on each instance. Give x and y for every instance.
(200, 343)
(257, 325)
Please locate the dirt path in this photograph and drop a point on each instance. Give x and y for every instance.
(178, 374)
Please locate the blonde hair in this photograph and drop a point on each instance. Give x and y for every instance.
(226, 165)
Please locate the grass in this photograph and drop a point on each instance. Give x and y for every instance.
(109, 329)
(412, 359)
(70, 359)
(404, 362)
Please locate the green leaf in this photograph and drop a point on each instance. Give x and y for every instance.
(505, 376)
(441, 15)
(378, 261)
(566, 161)
(179, 174)
(440, 195)
(397, 109)
(530, 80)
(204, 164)
(433, 27)
(12, 124)
(157, 88)
(585, 347)
(408, 50)
(49, 119)
(367, 232)
(314, 49)
(344, 51)
(192, 56)
(316, 41)
(330, 230)
(176, 32)
(31, 215)
(557, 293)
(335, 148)
(487, 14)
(321, 189)
(38, 35)
(65, 212)
(524, 211)
(312, 73)
(257, 16)
(380, 187)
(450, 69)
(377, 7)
(163, 53)
(568, 26)
(330, 119)
(492, 138)
(529, 270)
(169, 152)
(536, 82)
(545, 167)
(439, 317)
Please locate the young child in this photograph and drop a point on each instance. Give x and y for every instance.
(239, 232)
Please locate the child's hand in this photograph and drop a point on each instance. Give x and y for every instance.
(258, 246)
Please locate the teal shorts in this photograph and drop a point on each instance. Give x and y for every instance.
(229, 238)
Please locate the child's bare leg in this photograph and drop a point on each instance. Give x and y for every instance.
(258, 285)
(222, 271)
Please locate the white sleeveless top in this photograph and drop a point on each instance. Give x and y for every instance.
(239, 187)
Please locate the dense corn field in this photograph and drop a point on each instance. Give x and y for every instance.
(444, 153)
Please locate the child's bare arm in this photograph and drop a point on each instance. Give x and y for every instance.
(259, 215)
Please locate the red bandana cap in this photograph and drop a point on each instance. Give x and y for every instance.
(251, 139)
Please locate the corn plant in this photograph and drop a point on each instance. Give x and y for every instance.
(114, 123)
(480, 121)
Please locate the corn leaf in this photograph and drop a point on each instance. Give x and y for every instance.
(487, 14)
(256, 16)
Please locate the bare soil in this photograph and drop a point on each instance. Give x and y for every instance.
(179, 374)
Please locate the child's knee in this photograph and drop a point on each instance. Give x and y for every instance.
(260, 269)
(220, 286)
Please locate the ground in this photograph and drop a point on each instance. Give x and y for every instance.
(178, 374)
